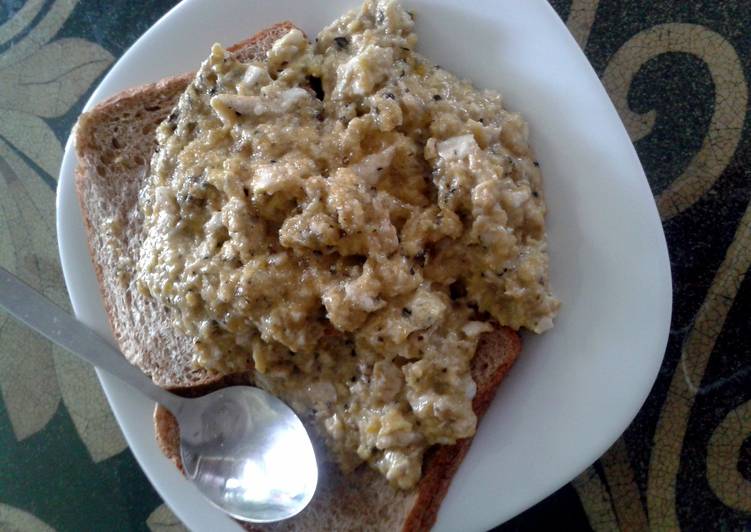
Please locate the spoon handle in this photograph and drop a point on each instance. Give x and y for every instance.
(42, 315)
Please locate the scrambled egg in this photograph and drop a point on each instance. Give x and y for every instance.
(348, 218)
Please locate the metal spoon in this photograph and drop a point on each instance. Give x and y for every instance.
(244, 449)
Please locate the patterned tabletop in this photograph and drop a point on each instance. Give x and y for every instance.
(678, 74)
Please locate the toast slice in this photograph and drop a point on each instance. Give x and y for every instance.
(114, 143)
(364, 500)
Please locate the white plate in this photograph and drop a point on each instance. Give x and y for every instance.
(574, 389)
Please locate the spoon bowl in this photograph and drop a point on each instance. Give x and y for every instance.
(248, 453)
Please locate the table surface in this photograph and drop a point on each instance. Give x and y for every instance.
(678, 75)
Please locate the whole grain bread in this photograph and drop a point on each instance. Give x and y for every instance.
(114, 144)
(364, 500)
